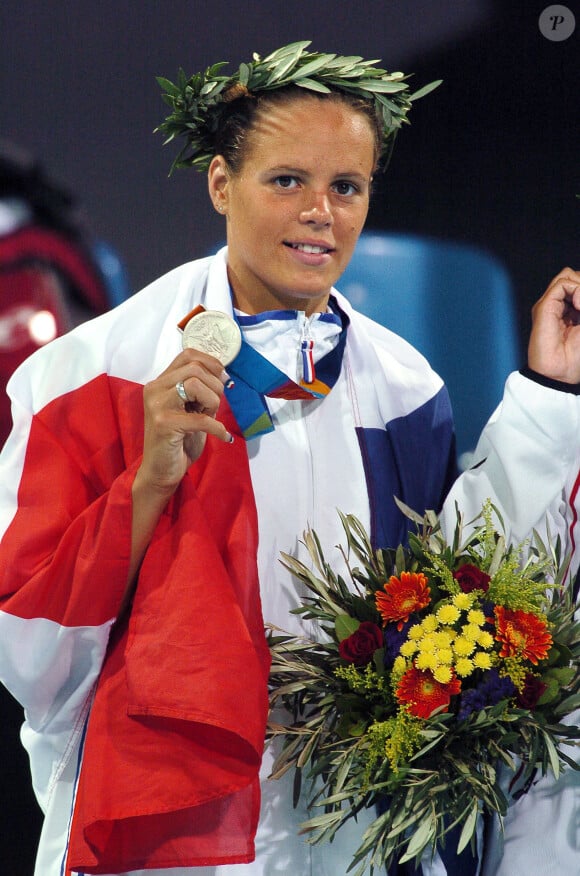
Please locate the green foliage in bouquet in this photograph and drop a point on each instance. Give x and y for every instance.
(436, 664)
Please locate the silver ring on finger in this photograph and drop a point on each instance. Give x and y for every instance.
(181, 391)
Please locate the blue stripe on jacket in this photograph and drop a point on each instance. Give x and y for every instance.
(413, 459)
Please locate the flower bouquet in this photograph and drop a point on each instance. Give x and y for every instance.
(433, 666)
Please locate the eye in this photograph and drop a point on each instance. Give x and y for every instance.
(286, 182)
(344, 187)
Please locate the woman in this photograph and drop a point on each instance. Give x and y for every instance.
(148, 493)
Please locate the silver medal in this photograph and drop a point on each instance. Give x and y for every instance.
(215, 333)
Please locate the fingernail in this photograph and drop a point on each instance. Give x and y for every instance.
(229, 438)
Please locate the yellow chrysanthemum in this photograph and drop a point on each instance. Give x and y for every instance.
(427, 643)
(429, 624)
(443, 674)
(426, 660)
(445, 655)
(399, 666)
(463, 646)
(408, 648)
(463, 601)
(415, 632)
(464, 667)
(471, 631)
(482, 660)
(485, 639)
(448, 614)
(476, 616)
(444, 638)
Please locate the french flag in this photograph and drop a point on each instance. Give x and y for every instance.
(176, 689)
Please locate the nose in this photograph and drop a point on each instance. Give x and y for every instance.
(316, 210)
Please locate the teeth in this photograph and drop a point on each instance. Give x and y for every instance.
(308, 247)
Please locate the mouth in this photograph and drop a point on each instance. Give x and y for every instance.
(310, 248)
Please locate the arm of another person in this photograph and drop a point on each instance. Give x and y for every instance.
(528, 458)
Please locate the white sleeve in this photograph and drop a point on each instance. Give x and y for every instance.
(527, 463)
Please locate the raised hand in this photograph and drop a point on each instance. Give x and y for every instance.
(554, 347)
(176, 430)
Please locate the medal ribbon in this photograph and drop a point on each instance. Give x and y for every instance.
(255, 378)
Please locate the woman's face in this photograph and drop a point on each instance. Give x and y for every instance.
(298, 204)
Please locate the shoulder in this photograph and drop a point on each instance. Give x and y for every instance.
(178, 283)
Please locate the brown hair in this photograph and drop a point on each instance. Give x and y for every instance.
(238, 117)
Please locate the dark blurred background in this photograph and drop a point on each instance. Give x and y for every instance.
(491, 158)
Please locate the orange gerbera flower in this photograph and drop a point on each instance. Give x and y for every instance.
(522, 634)
(423, 693)
(403, 595)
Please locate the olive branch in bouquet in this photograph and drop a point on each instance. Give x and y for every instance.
(413, 713)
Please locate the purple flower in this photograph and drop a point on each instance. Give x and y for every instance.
(493, 688)
(488, 609)
(394, 638)
(471, 701)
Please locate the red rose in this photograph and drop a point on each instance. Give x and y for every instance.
(528, 696)
(359, 647)
(471, 578)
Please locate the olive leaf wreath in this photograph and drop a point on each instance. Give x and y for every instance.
(198, 101)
